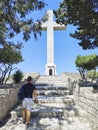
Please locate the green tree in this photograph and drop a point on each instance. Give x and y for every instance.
(96, 75)
(9, 56)
(17, 76)
(15, 19)
(86, 63)
(84, 15)
(91, 74)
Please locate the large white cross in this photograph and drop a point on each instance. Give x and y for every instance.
(50, 25)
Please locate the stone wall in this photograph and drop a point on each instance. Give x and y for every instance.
(88, 101)
(8, 98)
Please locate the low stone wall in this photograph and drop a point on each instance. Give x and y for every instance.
(34, 75)
(8, 98)
(88, 101)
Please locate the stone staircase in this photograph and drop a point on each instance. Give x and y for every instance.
(52, 101)
(57, 80)
(55, 110)
(52, 91)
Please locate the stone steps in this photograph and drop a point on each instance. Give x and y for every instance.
(52, 90)
(47, 87)
(51, 110)
(53, 101)
(56, 99)
(55, 110)
(46, 123)
(52, 80)
(53, 105)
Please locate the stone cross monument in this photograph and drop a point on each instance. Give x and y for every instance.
(50, 25)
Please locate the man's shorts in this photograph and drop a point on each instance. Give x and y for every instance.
(27, 103)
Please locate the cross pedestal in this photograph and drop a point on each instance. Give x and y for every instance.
(50, 25)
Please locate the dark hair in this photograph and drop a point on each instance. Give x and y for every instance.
(29, 78)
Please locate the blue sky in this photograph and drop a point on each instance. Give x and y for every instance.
(66, 48)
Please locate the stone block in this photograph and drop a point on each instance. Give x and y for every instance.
(13, 115)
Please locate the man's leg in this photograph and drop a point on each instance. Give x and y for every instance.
(24, 113)
(28, 110)
(28, 115)
(24, 110)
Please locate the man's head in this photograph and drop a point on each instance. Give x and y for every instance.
(29, 79)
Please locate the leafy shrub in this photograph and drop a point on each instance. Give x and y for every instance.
(17, 76)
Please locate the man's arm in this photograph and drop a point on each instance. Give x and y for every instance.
(35, 96)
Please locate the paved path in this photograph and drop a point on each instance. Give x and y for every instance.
(48, 123)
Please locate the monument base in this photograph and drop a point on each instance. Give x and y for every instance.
(50, 70)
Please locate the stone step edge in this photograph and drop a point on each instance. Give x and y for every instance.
(52, 93)
(42, 101)
(55, 112)
(48, 114)
(52, 88)
(46, 99)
